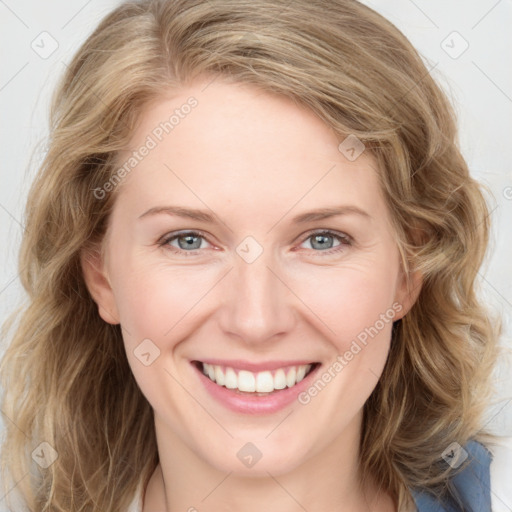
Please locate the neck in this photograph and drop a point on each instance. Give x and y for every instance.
(327, 480)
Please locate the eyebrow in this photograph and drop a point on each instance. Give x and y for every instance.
(204, 216)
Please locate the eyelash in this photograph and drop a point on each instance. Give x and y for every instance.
(341, 237)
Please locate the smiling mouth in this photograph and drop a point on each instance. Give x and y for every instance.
(255, 383)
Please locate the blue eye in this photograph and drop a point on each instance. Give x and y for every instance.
(189, 242)
(322, 240)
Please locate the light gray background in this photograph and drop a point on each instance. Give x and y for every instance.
(478, 80)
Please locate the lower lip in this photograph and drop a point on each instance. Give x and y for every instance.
(247, 404)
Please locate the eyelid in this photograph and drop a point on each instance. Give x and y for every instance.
(320, 231)
(168, 237)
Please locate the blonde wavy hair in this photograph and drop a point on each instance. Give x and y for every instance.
(65, 375)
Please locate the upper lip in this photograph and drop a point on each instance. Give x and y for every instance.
(255, 367)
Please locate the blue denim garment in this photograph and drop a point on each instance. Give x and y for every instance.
(472, 485)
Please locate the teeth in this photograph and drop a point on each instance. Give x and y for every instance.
(264, 382)
(280, 379)
(261, 382)
(290, 377)
(246, 381)
(219, 376)
(230, 382)
(301, 372)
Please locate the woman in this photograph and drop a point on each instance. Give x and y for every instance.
(250, 256)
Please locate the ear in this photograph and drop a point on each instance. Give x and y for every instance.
(98, 284)
(408, 291)
(410, 281)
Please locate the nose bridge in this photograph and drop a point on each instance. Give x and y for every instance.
(256, 306)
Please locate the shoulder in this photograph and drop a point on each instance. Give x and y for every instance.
(483, 483)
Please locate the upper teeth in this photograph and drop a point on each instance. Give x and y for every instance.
(261, 382)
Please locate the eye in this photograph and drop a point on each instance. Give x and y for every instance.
(188, 242)
(322, 241)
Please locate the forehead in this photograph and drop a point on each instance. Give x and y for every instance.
(236, 144)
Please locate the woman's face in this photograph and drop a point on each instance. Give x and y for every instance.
(215, 258)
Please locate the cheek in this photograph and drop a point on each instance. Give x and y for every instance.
(158, 302)
(157, 306)
(358, 310)
(349, 301)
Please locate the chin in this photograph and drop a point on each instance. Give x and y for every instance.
(257, 458)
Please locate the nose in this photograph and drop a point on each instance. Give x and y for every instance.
(257, 303)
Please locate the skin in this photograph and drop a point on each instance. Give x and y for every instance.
(254, 160)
